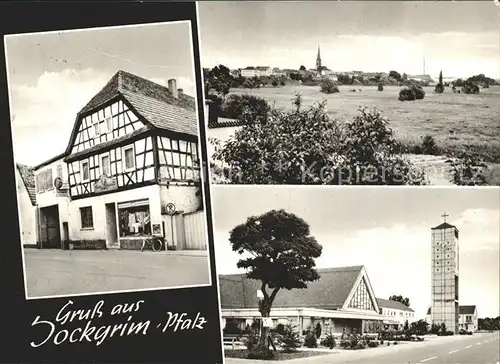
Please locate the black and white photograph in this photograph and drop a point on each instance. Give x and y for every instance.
(358, 275)
(106, 148)
(352, 92)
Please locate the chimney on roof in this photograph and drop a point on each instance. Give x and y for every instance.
(172, 87)
(180, 90)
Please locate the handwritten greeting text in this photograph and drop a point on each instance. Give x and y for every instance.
(57, 334)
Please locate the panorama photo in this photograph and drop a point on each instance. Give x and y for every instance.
(106, 151)
(352, 93)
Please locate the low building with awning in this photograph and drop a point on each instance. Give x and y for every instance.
(341, 301)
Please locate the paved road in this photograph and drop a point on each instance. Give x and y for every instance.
(475, 349)
(58, 272)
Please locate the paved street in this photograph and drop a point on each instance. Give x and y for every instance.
(475, 349)
(58, 272)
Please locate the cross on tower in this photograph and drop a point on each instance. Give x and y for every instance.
(444, 216)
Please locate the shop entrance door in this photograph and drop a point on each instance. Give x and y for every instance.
(111, 228)
(50, 230)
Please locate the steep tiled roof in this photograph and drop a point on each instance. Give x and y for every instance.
(395, 305)
(153, 101)
(466, 310)
(28, 178)
(330, 291)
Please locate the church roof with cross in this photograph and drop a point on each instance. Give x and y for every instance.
(444, 224)
(332, 291)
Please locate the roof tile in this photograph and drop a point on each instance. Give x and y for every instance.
(28, 177)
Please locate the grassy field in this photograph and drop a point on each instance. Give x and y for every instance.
(453, 120)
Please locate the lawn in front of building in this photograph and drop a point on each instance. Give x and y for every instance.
(242, 354)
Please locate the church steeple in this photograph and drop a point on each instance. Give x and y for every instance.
(318, 61)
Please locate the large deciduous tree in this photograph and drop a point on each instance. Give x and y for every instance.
(219, 79)
(281, 255)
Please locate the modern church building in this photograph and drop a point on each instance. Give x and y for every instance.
(445, 268)
(342, 300)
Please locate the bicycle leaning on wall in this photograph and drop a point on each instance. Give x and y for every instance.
(154, 242)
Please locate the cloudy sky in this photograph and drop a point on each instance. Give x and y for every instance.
(388, 230)
(460, 38)
(53, 75)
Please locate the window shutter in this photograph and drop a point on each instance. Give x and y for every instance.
(49, 178)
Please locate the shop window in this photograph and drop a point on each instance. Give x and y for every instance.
(87, 220)
(134, 220)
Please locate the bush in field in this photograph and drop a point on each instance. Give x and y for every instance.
(440, 87)
(429, 145)
(328, 341)
(470, 88)
(380, 86)
(419, 92)
(328, 86)
(373, 344)
(411, 93)
(274, 83)
(406, 94)
(290, 340)
(306, 146)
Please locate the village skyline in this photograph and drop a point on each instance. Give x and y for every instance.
(394, 246)
(351, 38)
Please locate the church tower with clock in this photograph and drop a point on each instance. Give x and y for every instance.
(445, 268)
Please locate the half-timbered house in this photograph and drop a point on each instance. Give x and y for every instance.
(132, 164)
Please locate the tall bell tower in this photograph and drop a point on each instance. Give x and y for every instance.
(318, 62)
(445, 268)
